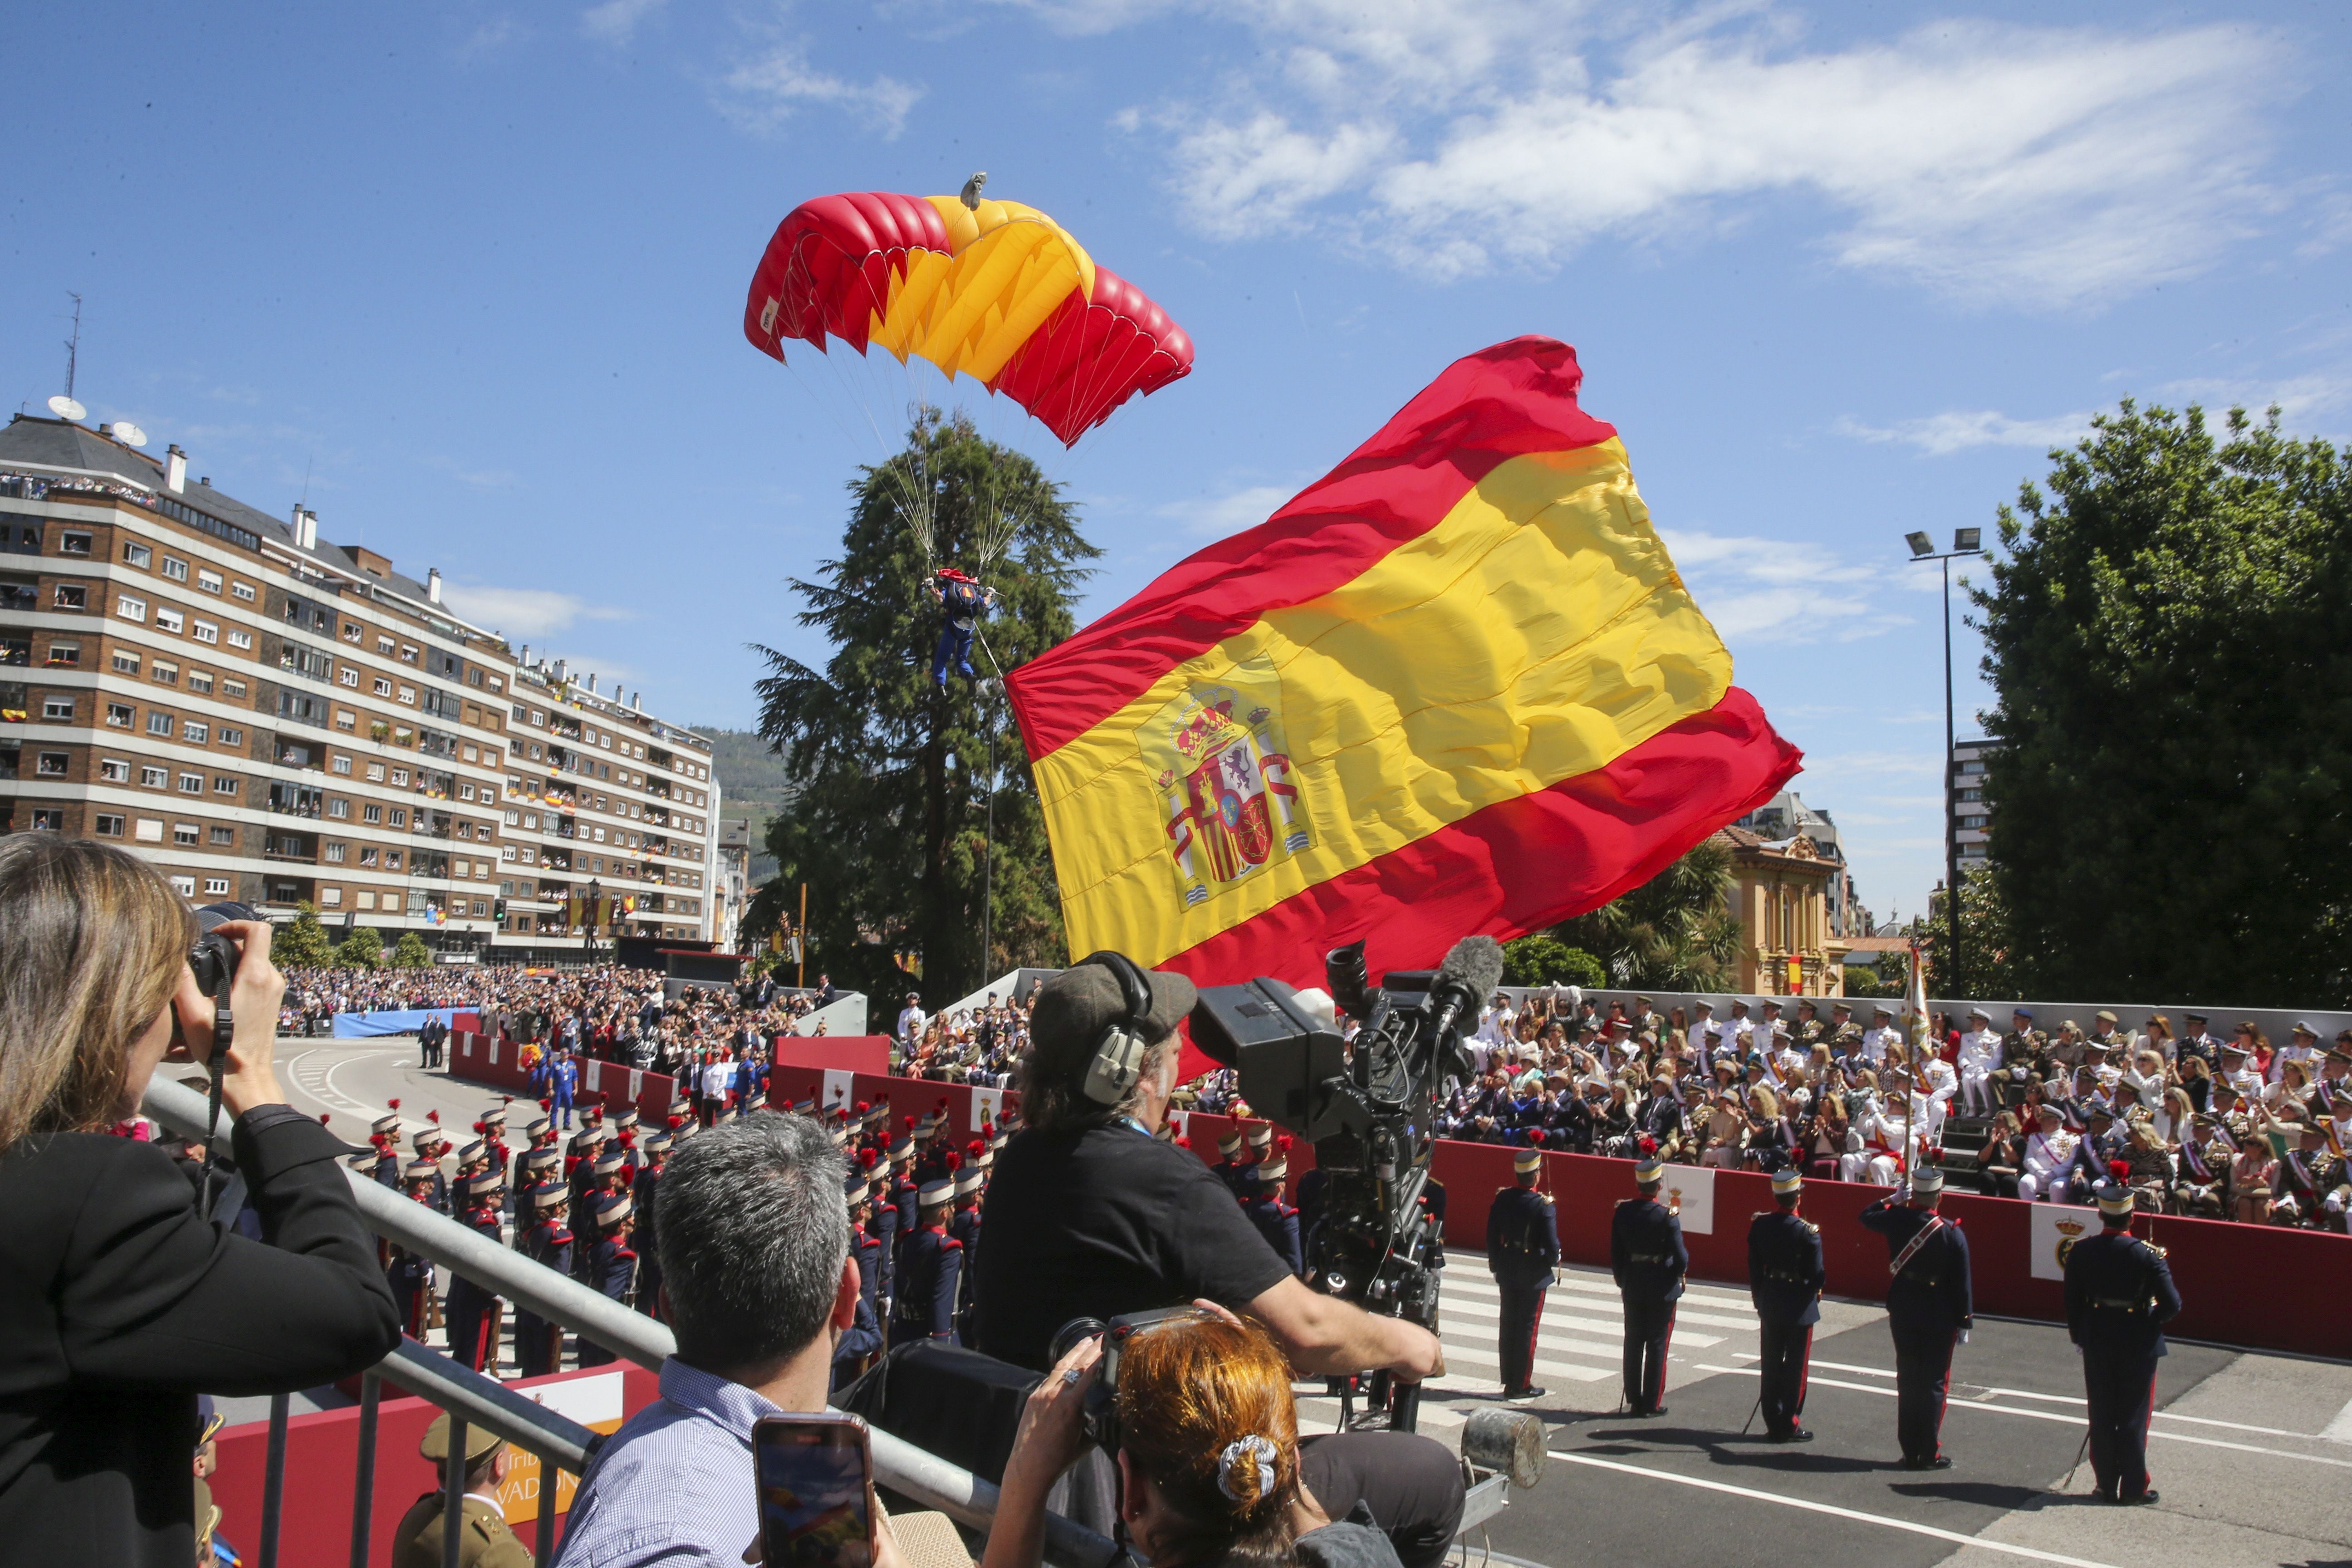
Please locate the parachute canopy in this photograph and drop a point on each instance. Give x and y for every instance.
(997, 292)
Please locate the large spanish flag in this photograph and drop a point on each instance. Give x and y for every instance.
(1456, 686)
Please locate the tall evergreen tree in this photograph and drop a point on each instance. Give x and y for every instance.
(1675, 932)
(886, 821)
(2170, 641)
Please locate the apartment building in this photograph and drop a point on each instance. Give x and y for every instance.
(275, 718)
(1967, 817)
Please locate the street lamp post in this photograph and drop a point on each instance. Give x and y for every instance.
(1965, 541)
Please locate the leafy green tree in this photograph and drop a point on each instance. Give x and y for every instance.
(1675, 932)
(885, 815)
(2170, 641)
(363, 949)
(410, 952)
(1989, 966)
(301, 945)
(1540, 960)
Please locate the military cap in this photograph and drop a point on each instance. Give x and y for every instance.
(607, 1164)
(658, 1143)
(2194, 1019)
(682, 1106)
(1275, 1169)
(426, 1135)
(496, 1116)
(853, 1186)
(1973, 1013)
(968, 1181)
(588, 1135)
(1927, 1179)
(479, 1440)
(934, 1195)
(1230, 1144)
(1786, 1180)
(626, 1117)
(2103, 1015)
(1526, 1160)
(549, 1195)
(1262, 1135)
(2114, 1198)
(421, 1170)
(537, 1125)
(386, 1123)
(804, 1107)
(2306, 1030)
(1649, 1170)
(2024, 1012)
(469, 1153)
(612, 1209)
(485, 1184)
(902, 1150)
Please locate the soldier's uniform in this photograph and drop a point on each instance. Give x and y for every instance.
(1522, 1250)
(474, 1308)
(964, 1229)
(612, 1265)
(1228, 1168)
(1647, 1256)
(1785, 1276)
(1930, 1302)
(484, 1541)
(929, 1264)
(882, 1224)
(2119, 1296)
(2021, 1047)
(1274, 1219)
(539, 1344)
(410, 1274)
(642, 1192)
(863, 1338)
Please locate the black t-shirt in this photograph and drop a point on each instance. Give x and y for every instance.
(1095, 1223)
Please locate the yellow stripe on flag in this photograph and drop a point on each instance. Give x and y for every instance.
(1538, 632)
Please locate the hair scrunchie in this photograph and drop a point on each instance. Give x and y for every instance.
(1243, 1450)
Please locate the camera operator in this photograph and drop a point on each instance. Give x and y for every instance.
(1090, 1214)
(122, 1301)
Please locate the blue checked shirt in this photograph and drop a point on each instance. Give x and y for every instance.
(675, 1485)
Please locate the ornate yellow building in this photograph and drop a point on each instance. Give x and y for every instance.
(1781, 893)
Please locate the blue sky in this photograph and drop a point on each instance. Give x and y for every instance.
(1836, 272)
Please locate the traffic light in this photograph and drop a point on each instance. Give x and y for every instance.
(499, 910)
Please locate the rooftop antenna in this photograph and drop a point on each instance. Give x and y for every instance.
(73, 345)
(308, 463)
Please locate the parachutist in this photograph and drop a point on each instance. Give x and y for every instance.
(965, 602)
(971, 189)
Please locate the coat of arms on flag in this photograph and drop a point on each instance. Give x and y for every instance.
(1222, 772)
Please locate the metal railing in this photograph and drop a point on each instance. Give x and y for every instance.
(470, 1397)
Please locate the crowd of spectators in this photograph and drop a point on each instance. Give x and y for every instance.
(976, 1045)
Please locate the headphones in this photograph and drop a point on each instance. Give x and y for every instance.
(1118, 1057)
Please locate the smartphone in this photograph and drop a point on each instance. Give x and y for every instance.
(815, 1476)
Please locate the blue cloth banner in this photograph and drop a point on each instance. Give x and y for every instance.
(368, 1025)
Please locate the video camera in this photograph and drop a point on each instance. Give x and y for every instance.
(1370, 1111)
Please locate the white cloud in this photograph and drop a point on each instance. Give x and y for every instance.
(616, 21)
(1956, 430)
(761, 93)
(490, 38)
(1214, 517)
(2300, 398)
(1799, 592)
(1993, 163)
(526, 612)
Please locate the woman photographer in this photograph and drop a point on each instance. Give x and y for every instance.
(119, 1302)
(1209, 1460)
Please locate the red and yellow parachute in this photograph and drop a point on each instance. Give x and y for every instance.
(996, 290)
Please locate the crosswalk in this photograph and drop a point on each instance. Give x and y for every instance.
(1580, 1344)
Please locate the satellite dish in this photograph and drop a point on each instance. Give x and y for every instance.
(130, 435)
(66, 408)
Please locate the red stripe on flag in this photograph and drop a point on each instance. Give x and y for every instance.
(1501, 403)
(1519, 866)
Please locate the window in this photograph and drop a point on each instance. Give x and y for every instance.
(216, 887)
(114, 770)
(183, 886)
(400, 778)
(342, 766)
(226, 836)
(399, 817)
(239, 638)
(407, 653)
(241, 591)
(107, 825)
(366, 898)
(335, 852)
(346, 720)
(367, 855)
(408, 696)
(156, 778)
(175, 568)
(184, 833)
(72, 596)
(118, 714)
(200, 680)
(196, 731)
(210, 582)
(348, 676)
(383, 646)
(53, 765)
(330, 897)
(205, 631)
(159, 723)
(1972, 767)
(192, 783)
(58, 710)
(371, 813)
(229, 736)
(169, 673)
(1972, 794)
(383, 686)
(129, 608)
(147, 830)
(341, 809)
(232, 687)
(125, 663)
(391, 859)
(1973, 821)
(350, 631)
(168, 620)
(137, 555)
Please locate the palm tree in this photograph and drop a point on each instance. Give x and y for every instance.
(1675, 932)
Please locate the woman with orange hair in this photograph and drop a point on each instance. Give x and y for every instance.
(1208, 1456)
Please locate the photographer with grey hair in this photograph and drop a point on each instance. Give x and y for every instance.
(1087, 1203)
(758, 1283)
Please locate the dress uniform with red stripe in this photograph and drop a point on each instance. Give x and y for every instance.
(1522, 1250)
(1930, 1303)
(1648, 1258)
(930, 1264)
(474, 1309)
(1785, 1276)
(539, 1344)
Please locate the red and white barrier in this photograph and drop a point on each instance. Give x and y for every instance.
(484, 1060)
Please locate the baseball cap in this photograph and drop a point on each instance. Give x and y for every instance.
(1074, 1006)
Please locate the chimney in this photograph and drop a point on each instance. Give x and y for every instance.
(433, 586)
(525, 661)
(592, 683)
(306, 527)
(559, 672)
(175, 470)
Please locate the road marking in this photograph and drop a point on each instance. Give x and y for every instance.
(2054, 1416)
(2341, 1429)
(1810, 1505)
